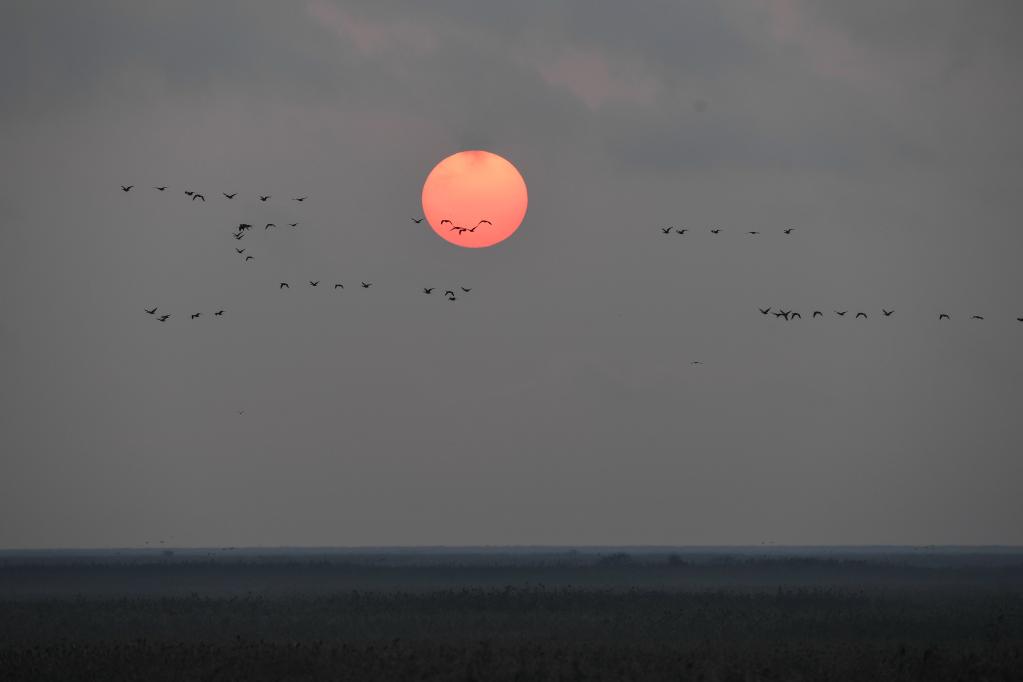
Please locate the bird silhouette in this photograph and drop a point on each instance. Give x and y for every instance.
(428, 290)
(151, 312)
(976, 317)
(367, 285)
(195, 315)
(715, 231)
(160, 189)
(944, 316)
(292, 224)
(248, 258)
(416, 220)
(695, 362)
(285, 285)
(127, 188)
(788, 231)
(339, 286)
(446, 221)
(753, 232)
(198, 196)
(841, 313)
(240, 251)
(189, 192)
(219, 313)
(1019, 319)
(238, 235)
(264, 197)
(465, 290)
(667, 230)
(299, 198)
(269, 225)
(863, 315)
(449, 293)
(764, 311)
(887, 313)
(781, 314)
(230, 196)
(314, 284)
(163, 318)
(452, 298)
(817, 313)
(681, 231)
(795, 315)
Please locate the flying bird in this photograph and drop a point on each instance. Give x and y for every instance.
(452, 298)
(230, 196)
(681, 231)
(944, 316)
(753, 232)
(313, 284)
(887, 313)
(339, 286)
(219, 313)
(695, 362)
(465, 290)
(367, 285)
(189, 192)
(248, 258)
(264, 197)
(449, 293)
(782, 314)
(269, 225)
(788, 231)
(446, 221)
(715, 231)
(285, 285)
(292, 224)
(244, 226)
(151, 312)
(240, 251)
(863, 315)
(795, 315)
(160, 189)
(299, 198)
(976, 317)
(198, 196)
(238, 235)
(764, 311)
(127, 188)
(416, 220)
(163, 318)
(428, 290)
(817, 313)
(1019, 319)
(841, 313)
(195, 315)
(666, 230)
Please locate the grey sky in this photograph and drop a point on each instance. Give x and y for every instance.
(556, 403)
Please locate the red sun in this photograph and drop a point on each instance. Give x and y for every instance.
(474, 199)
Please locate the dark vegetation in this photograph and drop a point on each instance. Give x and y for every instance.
(572, 616)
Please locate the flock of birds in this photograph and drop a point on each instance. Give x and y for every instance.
(450, 294)
(790, 315)
(199, 195)
(240, 232)
(716, 230)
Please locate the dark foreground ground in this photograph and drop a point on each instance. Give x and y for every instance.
(512, 616)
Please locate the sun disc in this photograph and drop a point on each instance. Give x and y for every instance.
(474, 199)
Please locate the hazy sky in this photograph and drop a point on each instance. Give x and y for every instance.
(556, 402)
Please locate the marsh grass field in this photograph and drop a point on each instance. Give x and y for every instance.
(513, 614)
